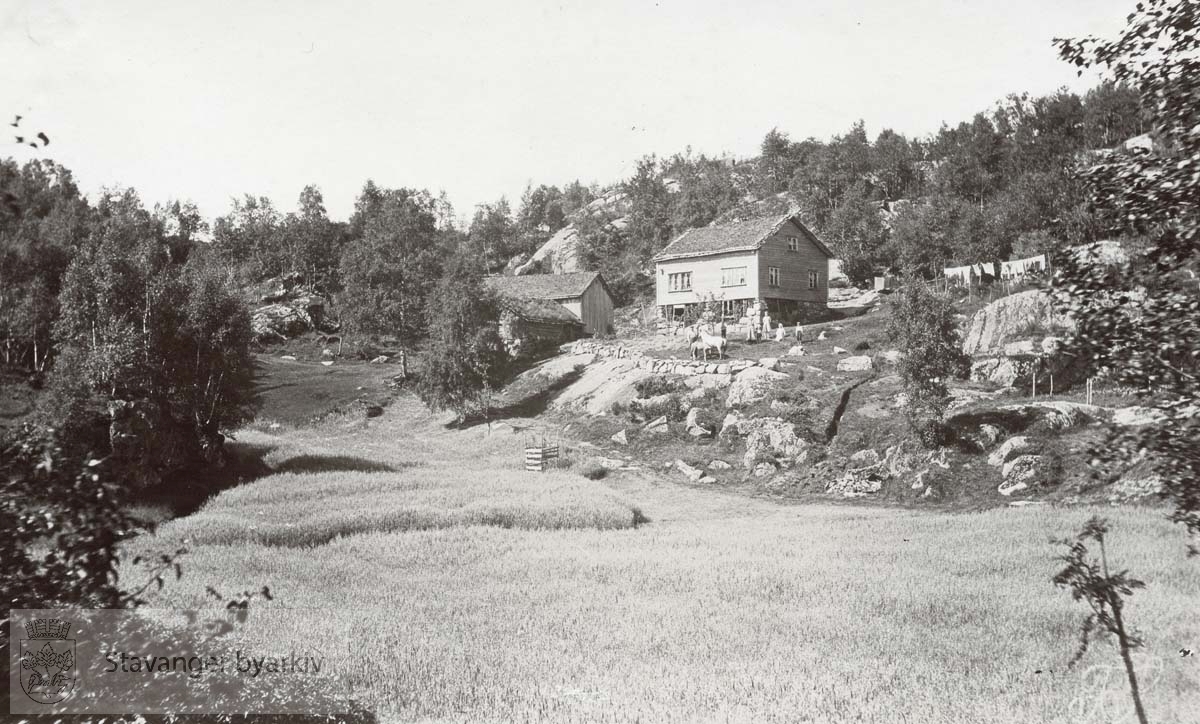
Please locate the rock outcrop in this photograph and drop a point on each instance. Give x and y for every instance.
(279, 322)
(860, 363)
(289, 308)
(1009, 449)
(1006, 318)
(752, 385)
(770, 437)
(1024, 472)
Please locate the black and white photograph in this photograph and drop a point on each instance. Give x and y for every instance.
(674, 361)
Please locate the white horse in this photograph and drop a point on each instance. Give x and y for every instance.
(713, 342)
(699, 338)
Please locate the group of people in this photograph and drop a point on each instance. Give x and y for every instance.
(764, 329)
(703, 334)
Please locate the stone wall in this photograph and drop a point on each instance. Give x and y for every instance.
(669, 366)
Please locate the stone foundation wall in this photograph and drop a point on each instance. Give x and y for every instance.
(673, 365)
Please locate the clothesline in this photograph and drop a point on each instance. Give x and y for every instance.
(971, 273)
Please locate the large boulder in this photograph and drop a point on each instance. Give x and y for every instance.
(1007, 317)
(277, 322)
(1025, 471)
(708, 380)
(752, 385)
(1009, 449)
(770, 437)
(1018, 417)
(860, 363)
(1061, 414)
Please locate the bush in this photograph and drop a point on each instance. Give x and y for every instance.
(670, 407)
(708, 418)
(593, 470)
(656, 385)
(924, 326)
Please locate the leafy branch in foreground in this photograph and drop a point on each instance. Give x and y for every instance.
(1139, 321)
(1089, 580)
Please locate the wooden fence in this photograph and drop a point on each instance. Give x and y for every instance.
(539, 453)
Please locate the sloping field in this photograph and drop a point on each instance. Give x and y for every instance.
(720, 608)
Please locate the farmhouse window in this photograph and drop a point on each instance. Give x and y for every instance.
(793, 243)
(773, 276)
(680, 282)
(733, 277)
(814, 279)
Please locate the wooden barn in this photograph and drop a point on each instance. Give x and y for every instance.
(584, 294)
(531, 327)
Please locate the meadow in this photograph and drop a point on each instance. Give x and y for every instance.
(635, 598)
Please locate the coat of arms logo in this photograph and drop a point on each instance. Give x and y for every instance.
(48, 661)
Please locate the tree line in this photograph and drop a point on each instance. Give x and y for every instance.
(1001, 184)
(89, 283)
(137, 319)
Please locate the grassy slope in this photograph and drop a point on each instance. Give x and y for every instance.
(295, 392)
(722, 607)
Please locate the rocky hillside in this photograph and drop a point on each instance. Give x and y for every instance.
(825, 417)
(560, 254)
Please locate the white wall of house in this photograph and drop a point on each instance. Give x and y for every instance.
(709, 279)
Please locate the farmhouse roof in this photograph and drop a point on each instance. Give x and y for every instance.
(544, 286)
(745, 235)
(538, 310)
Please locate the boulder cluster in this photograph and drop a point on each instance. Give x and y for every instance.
(288, 307)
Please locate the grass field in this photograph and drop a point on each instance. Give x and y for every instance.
(295, 392)
(719, 608)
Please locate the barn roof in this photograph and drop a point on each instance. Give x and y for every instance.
(744, 235)
(544, 286)
(538, 310)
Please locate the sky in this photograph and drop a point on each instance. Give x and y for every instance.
(211, 100)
